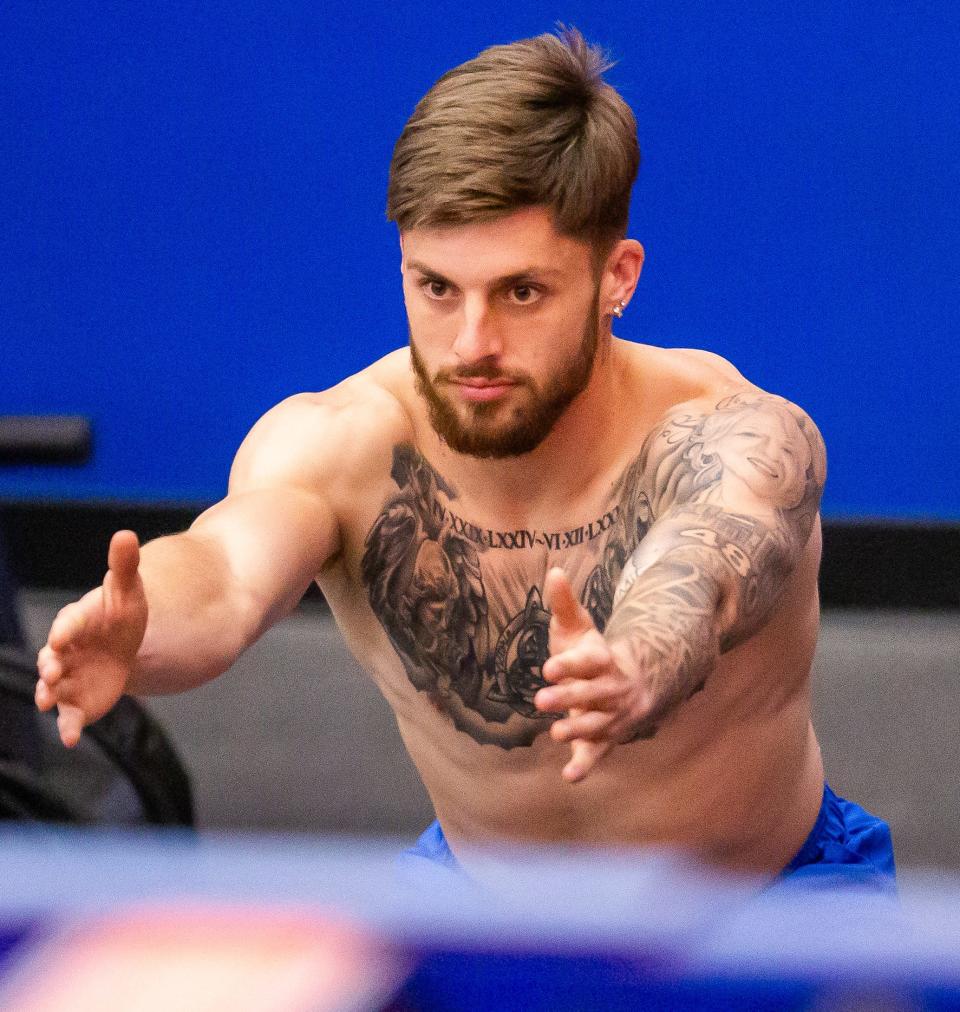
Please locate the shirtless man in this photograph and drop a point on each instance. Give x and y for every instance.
(582, 571)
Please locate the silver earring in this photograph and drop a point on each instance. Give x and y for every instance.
(618, 309)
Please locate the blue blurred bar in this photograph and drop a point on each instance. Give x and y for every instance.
(530, 929)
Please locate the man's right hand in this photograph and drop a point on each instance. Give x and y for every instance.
(92, 645)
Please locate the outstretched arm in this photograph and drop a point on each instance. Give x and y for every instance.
(179, 611)
(734, 489)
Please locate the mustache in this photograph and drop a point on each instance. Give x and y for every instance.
(481, 370)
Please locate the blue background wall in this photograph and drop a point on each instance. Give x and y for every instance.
(191, 199)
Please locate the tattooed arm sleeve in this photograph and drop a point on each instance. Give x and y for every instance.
(734, 491)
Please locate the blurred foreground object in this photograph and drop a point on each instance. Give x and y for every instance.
(534, 929)
(157, 960)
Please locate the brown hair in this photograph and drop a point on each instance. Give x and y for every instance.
(526, 124)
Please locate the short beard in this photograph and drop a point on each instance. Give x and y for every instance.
(532, 424)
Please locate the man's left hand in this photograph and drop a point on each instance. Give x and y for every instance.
(604, 705)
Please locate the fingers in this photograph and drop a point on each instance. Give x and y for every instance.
(590, 693)
(68, 627)
(53, 690)
(49, 666)
(50, 669)
(588, 724)
(123, 561)
(56, 658)
(43, 696)
(589, 686)
(584, 756)
(50, 692)
(69, 723)
(588, 655)
(85, 663)
(568, 616)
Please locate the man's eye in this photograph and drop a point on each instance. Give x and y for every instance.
(437, 289)
(524, 294)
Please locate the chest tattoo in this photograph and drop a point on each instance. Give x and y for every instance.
(462, 605)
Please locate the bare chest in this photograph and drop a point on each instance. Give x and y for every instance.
(461, 601)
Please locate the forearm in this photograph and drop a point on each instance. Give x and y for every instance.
(664, 631)
(198, 620)
(703, 581)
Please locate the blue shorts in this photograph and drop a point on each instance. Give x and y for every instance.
(846, 847)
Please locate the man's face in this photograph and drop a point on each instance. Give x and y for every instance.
(504, 328)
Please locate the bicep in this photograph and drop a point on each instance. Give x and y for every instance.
(749, 453)
(734, 488)
(739, 562)
(276, 528)
(273, 542)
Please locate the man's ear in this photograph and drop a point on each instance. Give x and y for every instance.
(621, 274)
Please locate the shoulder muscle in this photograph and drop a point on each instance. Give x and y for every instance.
(316, 441)
(748, 450)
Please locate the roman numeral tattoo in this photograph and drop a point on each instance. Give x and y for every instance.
(438, 585)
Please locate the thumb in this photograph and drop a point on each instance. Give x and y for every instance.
(123, 561)
(568, 614)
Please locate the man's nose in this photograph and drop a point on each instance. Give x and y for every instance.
(477, 336)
